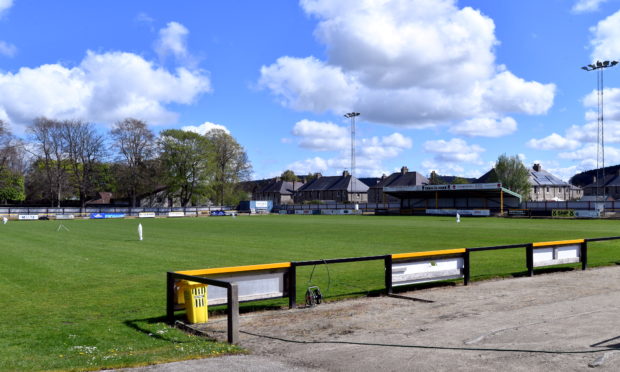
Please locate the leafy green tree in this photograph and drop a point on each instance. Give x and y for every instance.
(185, 163)
(312, 176)
(229, 166)
(459, 181)
(513, 174)
(11, 186)
(434, 179)
(289, 175)
(135, 146)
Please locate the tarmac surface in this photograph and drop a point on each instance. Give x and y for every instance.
(564, 321)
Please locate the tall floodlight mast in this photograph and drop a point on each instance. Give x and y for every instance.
(600, 130)
(352, 116)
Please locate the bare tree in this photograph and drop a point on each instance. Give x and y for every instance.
(48, 138)
(85, 149)
(135, 144)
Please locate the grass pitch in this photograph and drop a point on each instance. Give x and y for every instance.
(93, 296)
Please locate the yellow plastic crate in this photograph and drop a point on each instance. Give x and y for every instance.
(196, 302)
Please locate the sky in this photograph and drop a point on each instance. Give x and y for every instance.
(440, 85)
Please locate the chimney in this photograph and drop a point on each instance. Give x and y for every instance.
(345, 173)
(537, 167)
(404, 170)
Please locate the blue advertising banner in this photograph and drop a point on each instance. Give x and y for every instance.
(100, 216)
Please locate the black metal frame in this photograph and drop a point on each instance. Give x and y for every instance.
(232, 298)
(291, 278)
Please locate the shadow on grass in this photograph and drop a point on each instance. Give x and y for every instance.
(147, 326)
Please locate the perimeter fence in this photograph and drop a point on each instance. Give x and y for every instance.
(279, 280)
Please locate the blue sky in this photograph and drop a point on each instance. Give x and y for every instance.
(441, 85)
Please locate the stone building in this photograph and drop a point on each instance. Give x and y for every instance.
(402, 178)
(336, 189)
(278, 191)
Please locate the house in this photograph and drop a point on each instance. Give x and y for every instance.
(402, 178)
(544, 185)
(336, 189)
(608, 187)
(278, 191)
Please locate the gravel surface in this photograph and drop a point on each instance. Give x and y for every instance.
(568, 321)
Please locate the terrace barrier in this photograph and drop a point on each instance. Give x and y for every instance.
(260, 282)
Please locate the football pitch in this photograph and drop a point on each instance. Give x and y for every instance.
(87, 294)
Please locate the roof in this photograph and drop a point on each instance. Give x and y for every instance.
(343, 183)
(370, 181)
(610, 180)
(467, 189)
(538, 177)
(281, 187)
(544, 178)
(402, 179)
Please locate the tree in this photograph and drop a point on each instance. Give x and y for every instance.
(513, 174)
(459, 180)
(185, 160)
(11, 166)
(85, 150)
(11, 186)
(289, 175)
(229, 164)
(434, 179)
(135, 144)
(312, 176)
(52, 160)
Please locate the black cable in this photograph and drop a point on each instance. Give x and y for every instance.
(431, 347)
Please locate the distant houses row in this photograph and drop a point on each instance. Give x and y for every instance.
(348, 189)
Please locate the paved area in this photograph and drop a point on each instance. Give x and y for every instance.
(568, 321)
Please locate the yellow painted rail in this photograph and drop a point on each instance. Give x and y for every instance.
(428, 253)
(558, 242)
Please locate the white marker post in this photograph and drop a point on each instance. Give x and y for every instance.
(4, 220)
(140, 231)
(458, 218)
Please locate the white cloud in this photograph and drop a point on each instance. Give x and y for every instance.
(320, 136)
(7, 49)
(204, 128)
(565, 173)
(584, 6)
(312, 165)
(103, 88)
(486, 127)
(4, 6)
(586, 156)
(606, 38)
(172, 40)
(553, 142)
(325, 136)
(455, 150)
(412, 63)
(308, 84)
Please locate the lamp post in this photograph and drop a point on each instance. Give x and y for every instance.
(352, 115)
(599, 66)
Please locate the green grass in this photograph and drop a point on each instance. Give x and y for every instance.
(94, 297)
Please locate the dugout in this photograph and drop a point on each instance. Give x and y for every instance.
(445, 199)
